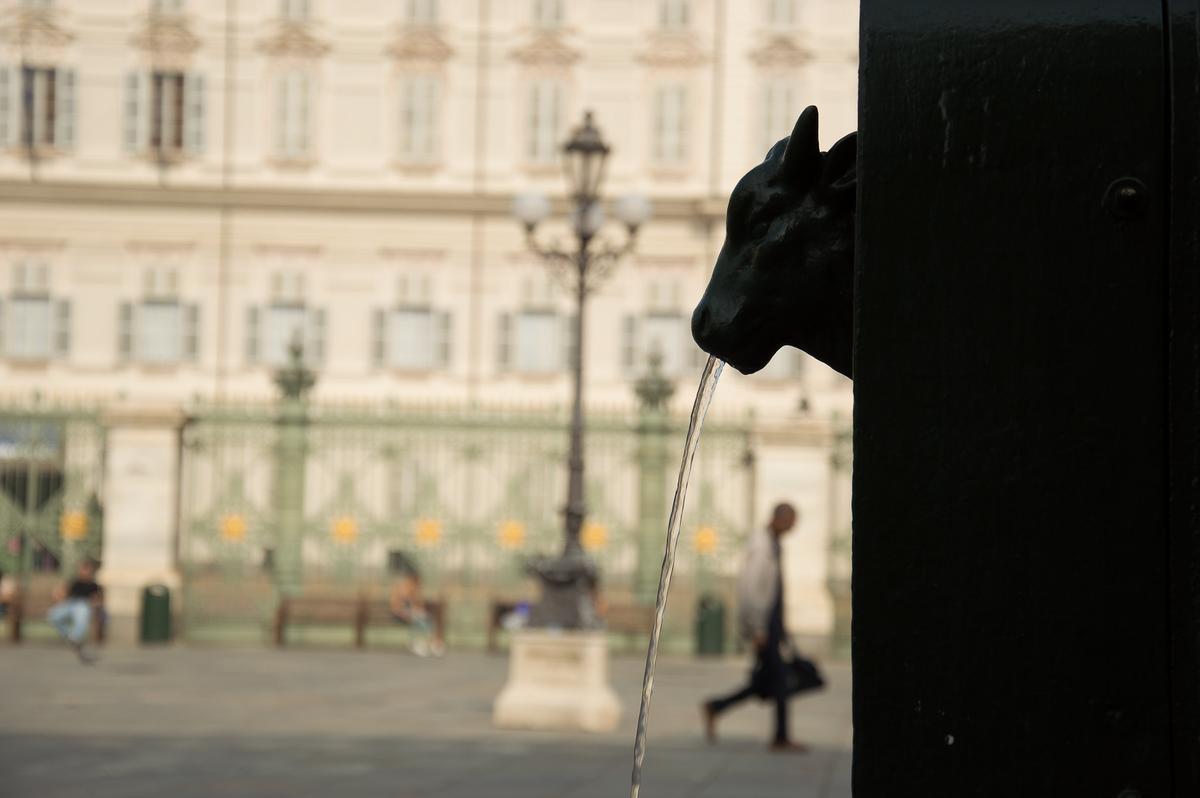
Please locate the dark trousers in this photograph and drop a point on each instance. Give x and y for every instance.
(772, 669)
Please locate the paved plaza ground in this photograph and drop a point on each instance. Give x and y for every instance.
(185, 721)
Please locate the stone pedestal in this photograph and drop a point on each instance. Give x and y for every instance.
(558, 681)
(140, 511)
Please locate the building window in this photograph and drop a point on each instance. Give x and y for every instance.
(545, 121)
(421, 12)
(295, 10)
(670, 125)
(673, 14)
(781, 13)
(36, 326)
(666, 333)
(38, 5)
(159, 330)
(37, 107)
(293, 118)
(270, 330)
(164, 113)
(548, 13)
(419, 118)
(412, 339)
(536, 342)
(778, 112)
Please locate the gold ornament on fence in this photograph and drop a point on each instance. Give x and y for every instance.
(344, 529)
(73, 525)
(233, 528)
(705, 540)
(511, 534)
(428, 532)
(594, 536)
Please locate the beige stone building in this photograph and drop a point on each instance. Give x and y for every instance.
(187, 184)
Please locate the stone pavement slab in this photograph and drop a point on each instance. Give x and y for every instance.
(202, 722)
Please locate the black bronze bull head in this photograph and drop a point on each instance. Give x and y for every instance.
(785, 275)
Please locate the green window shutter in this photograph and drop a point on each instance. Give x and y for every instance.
(62, 328)
(125, 332)
(379, 338)
(629, 344)
(136, 112)
(193, 114)
(445, 349)
(64, 109)
(504, 342)
(315, 346)
(191, 332)
(252, 335)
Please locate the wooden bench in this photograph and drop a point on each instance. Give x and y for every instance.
(34, 604)
(359, 612)
(627, 619)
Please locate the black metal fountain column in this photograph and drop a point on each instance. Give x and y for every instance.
(569, 580)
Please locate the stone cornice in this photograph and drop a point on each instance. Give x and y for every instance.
(324, 200)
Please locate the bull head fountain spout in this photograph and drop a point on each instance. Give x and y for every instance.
(785, 275)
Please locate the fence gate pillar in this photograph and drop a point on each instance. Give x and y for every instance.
(291, 447)
(653, 391)
(141, 498)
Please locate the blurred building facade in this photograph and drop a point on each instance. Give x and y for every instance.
(188, 184)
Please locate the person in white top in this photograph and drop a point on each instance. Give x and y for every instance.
(760, 621)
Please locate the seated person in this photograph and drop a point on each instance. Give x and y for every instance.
(76, 601)
(408, 607)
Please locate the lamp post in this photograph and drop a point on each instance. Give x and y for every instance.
(568, 580)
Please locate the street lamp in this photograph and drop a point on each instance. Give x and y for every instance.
(569, 580)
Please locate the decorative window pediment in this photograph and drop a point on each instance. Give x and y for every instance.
(673, 49)
(36, 32)
(167, 40)
(293, 40)
(547, 49)
(420, 45)
(781, 52)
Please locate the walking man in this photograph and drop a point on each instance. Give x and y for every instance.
(76, 601)
(760, 620)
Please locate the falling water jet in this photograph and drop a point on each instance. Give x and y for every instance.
(704, 395)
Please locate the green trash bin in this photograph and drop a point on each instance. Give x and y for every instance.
(710, 626)
(156, 614)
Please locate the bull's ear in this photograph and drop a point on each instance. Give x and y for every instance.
(839, 178)
(803, 153)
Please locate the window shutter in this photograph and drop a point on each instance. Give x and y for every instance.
(64, 109)
(193, 114)
(125, 332)
(2, 328)
(504, 341)
(629, 344)
(444, 342)
(379, 338)
(315, 346)
(9, 94)
(303, 116)
(252, 335)
(62, 328)
(191, 332)
(136, 112)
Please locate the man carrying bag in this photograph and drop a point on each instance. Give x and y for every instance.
(779, 671)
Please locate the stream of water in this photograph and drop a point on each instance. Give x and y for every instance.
(704, 395)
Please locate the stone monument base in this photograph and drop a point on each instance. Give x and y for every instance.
(557, 681)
